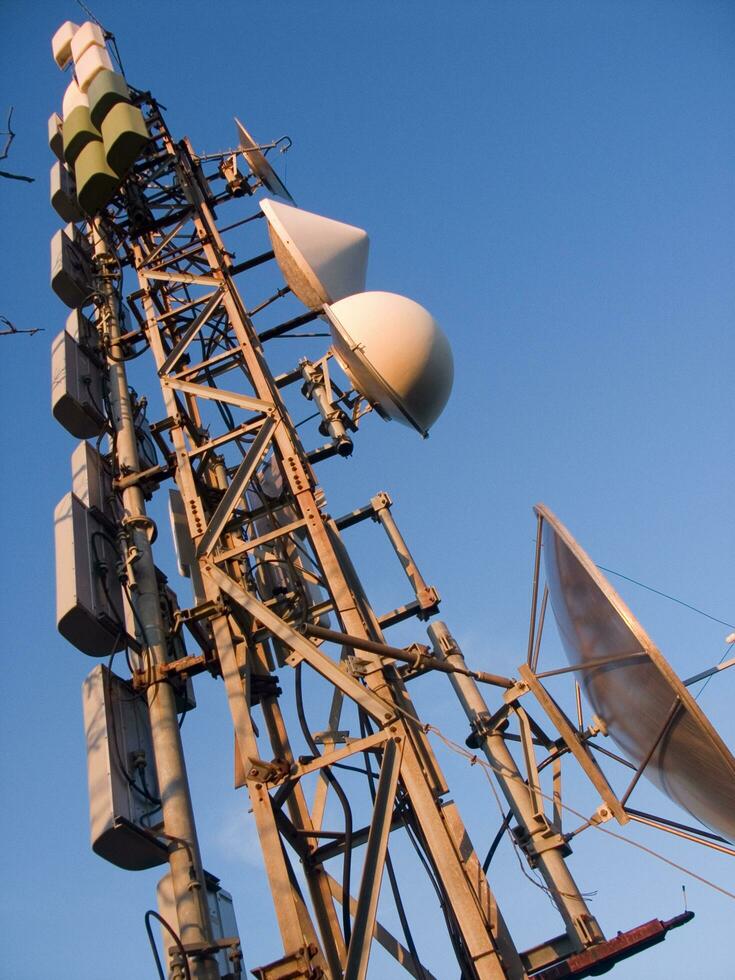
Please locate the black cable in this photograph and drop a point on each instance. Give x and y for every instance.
(148, 793)
(347, 768)
(175, 937)
(298, 336)
(126, 590)
(341, 796)
(87, 382)
(144, 792)
(299, 587)
(366, 729)
(109, 412)
(124, 358)
(101, 571)
(297, 576)
(293, 538)
(307, 419)
(224, 410)
(144, 436)
(136, 617)
(154, 950)
(665, 595)
(413, 833)
(496, 840)
(703, 688)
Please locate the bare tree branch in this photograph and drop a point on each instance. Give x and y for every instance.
(11, 328)
(10, 134)
(5, 173)
(4, 155)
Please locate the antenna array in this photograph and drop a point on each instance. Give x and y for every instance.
(277, 604)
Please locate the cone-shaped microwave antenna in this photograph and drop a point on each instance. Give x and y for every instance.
(322, 260)
(259, 165)
(395, 354)
(645, 707)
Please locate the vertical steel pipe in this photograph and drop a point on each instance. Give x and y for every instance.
(178, 816)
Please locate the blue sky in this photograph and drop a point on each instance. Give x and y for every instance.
(554, 181)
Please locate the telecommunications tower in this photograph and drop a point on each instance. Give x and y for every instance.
(275, 609)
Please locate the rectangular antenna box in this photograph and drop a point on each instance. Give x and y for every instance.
(76, 388)
(221, 917)
(91, 480)
(89, 602)
(71, 266)
(64, 193)
(121, 773)
(55, 136)
(82, 329)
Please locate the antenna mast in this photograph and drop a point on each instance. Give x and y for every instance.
(276, 599)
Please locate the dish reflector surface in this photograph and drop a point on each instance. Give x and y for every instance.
(259, 165)
(322, 260)
(635, 694)
(395, 354)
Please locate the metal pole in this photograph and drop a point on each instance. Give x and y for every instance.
(582, 927)
(178, 817)
(534, 597)
(381, 505)
(377, 846)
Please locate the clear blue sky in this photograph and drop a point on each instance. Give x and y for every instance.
(555, 182)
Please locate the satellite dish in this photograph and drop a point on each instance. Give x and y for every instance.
(322, 260)
(395, 354)
(637, 694)
(259, 165)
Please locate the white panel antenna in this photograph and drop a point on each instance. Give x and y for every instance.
(64, 193)
(91, 479)
(71, 267)
(221, 916)
(76, 388)
(121, 775)
(89, 606)
(61, 43)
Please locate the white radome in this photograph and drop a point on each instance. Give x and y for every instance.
(395, 354)
(322, 260)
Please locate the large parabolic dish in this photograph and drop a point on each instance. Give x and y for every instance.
(635, 692)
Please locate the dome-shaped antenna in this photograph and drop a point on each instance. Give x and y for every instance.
(395, 354)
(322, 260)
